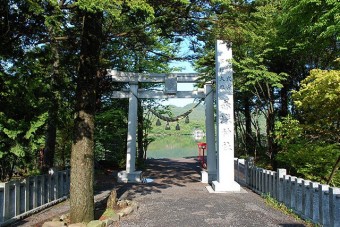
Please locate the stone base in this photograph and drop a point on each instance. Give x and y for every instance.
(133, 177)
(208, 177)
(226, 187)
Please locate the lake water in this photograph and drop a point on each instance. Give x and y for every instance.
(173, 146)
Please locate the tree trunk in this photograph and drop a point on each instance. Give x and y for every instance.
(270, 122)
(51, 137)
(82, 156)
(335, 168)
(249, 134)
(284, 100)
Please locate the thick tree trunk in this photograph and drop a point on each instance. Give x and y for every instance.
(82, 156)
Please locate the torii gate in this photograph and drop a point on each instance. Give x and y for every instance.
(220, 164)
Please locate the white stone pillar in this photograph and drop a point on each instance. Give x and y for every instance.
(132, 129)
(209, 175)
(225, 120)
(130, 175)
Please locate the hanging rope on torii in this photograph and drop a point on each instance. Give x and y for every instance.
(179, 117)
(174, 119)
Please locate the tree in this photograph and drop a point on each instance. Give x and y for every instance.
(317, 102)
(82, 156)
(134, 20)
(251, 27)
(307, 38)
(23, 103)
(304, 156)
(310, 146)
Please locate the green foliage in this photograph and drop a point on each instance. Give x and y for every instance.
(318, 103)
(35, 125)
(303, 157)
(311, 161)
(110, 135)
(309, 29)
(312, 148)
(22, 121)
(288, 132)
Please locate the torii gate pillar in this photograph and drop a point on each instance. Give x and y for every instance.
(131, 175)
(209, 175)
(225, 120)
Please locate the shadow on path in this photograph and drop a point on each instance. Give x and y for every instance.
(176, 197)
(164, 174)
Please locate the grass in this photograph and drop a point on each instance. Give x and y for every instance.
(283, 208)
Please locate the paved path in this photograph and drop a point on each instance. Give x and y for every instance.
(177, 198)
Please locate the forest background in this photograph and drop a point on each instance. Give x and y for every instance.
(55, 104)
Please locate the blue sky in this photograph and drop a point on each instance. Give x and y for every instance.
(187, 68)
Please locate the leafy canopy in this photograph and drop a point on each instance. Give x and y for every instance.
(318, 102)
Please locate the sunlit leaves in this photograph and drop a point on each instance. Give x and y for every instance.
(35, 125)
(302, 154)
(139, 8)
(287, 131)
(318, 101)
(321, 17)
(310, 30)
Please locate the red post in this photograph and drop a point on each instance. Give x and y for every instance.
(201, 148)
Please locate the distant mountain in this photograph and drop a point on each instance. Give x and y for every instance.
(197, 114)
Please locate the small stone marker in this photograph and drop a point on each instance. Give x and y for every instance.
(112, 200)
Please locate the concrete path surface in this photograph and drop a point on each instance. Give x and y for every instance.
(176, 197)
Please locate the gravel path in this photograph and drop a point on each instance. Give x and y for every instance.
(176, 197)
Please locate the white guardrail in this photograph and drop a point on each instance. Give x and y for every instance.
(20, 198)
(312, 201)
